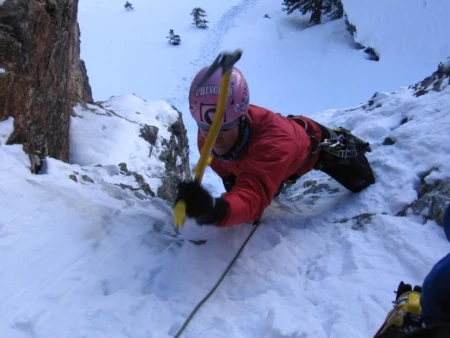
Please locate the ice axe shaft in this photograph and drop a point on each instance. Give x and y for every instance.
(224, 61)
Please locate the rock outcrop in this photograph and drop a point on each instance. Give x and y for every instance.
(176, 159)
(41, 74)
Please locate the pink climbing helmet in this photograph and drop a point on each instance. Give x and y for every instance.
(203, 100)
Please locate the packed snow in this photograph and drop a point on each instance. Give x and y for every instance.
(85, 257)
(387, 33)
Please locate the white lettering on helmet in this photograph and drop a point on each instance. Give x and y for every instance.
(211, 90)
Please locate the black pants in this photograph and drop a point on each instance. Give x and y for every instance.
(355, 174)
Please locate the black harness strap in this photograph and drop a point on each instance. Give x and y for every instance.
(314, 147)
(314, 141)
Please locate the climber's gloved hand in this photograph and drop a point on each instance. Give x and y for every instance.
(200, 205)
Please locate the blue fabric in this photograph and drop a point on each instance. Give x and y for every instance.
(435, 298)
(447, 223)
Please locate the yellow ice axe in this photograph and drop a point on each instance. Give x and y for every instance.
(225, 61)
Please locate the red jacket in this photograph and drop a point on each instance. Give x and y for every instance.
(278, 148)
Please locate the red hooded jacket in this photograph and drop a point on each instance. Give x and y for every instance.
(278, 148)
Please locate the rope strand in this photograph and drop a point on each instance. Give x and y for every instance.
(203, 301)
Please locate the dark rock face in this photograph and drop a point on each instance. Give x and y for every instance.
(437, 81)
(176, 159)
(42, 74)
(431, 203)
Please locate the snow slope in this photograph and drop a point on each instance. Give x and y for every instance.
(389, 25)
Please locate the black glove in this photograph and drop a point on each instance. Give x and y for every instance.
(200, 204)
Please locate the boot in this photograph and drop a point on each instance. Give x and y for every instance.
(405, 316)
